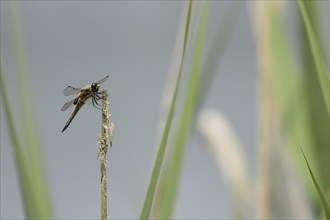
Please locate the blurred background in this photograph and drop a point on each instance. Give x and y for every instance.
(54, 44)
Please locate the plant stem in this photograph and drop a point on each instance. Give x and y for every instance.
(265, 108)
(104, 140)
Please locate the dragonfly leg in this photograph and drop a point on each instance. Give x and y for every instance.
(95, 100)
(97, 97)
(95, 103)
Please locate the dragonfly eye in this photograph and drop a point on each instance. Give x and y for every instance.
(95, 87)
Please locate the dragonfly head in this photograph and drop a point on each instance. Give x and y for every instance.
(95, 87)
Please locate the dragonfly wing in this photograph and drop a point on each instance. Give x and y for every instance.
(67, 105)
(103, 79)
(71, 91)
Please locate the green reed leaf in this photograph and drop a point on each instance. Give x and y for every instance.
(320, 64)
(145, 214)
(324, 203)
(186, 119)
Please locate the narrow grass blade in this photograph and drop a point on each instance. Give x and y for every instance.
(320, 64)
(213, 58)
(218, 47)
(190, 106)
(30, 136)
(324, 203)
(318, 127)
(145, 214)
(23, 79)
(20, 160)
(263, 22)
(302, 116)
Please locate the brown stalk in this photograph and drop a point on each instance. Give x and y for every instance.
(264, 106)
(105, 139)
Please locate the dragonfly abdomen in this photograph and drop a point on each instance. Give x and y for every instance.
(74, 112)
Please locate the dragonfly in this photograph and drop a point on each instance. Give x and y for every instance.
(86, 95)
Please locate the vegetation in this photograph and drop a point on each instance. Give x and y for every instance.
(294, 111)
